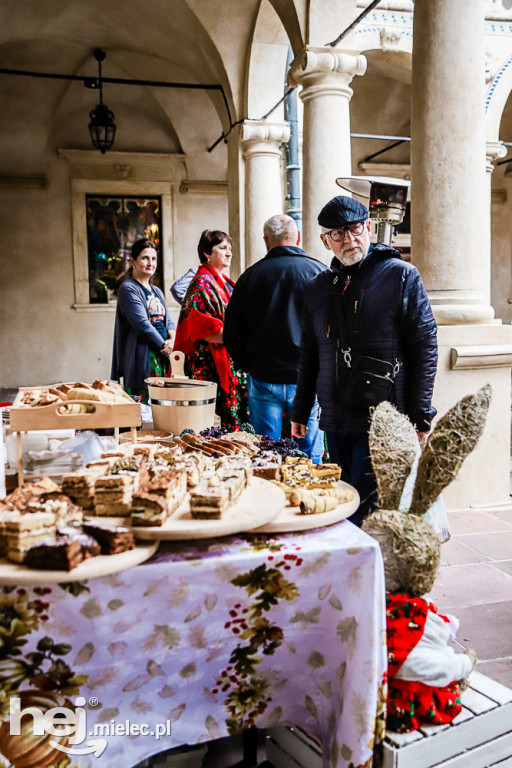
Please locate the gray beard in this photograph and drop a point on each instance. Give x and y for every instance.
(350, 262)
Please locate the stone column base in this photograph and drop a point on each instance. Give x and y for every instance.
(469, 357)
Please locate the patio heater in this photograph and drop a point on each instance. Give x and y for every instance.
(387, 199)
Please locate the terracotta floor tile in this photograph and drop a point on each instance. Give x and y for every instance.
(477, 522)
(501, 514)
(497, 546)
(487, 629)
(504, 565)
(453, 552)
(471, 584)
(499, 670)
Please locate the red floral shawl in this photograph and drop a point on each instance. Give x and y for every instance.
(202, 314)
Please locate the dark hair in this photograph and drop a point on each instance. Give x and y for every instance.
(136, 250)
(139, 246)
(208, 240)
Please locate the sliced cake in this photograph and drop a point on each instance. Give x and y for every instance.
(171, 485)
(112, 539)
(148, 509)
(79, 485)
(209, 501)
(90, 547)
(26, 531)
(113, 495)
(62, 553)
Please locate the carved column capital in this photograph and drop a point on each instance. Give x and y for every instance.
(258, 137)
(390, 39)
(325, 71)
(493, 151)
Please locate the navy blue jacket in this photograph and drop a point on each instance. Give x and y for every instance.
(134, 335)
(263, 317)
(387, 315)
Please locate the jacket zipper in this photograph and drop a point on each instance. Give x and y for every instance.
(337, 359)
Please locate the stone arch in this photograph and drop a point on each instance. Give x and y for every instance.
(67, 33)
(389, 69)
(496, 98)
(395, 45)
(266, 65)
(287, 12)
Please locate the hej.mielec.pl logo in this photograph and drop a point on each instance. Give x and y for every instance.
(63, 721)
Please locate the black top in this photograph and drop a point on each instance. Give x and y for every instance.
(263, 317)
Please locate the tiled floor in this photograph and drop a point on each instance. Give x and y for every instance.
(475, 584)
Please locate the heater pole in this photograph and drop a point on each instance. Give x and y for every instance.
(384, 232)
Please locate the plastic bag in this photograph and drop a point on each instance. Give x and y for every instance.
(436, 514)
(180, 287)
(439, 519)
(87, 444)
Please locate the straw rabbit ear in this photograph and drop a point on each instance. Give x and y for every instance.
(453, 438)
(393, 445)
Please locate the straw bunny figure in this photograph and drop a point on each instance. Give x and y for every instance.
(424, 672)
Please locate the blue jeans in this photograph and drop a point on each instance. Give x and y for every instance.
(266, 405)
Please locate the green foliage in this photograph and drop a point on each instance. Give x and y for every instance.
(247, 693)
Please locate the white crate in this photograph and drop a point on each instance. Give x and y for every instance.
(479, 737)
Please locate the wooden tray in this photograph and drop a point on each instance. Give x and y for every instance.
(14, 574)
(290, 519)
(259, 503)
(102, 416)
(48, 416)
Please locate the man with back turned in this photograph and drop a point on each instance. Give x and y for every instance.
(262, 331)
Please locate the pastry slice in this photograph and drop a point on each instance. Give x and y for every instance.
(55, 554)
(112, 539)
(148, 509)
(208, 502)
(26, 532)
(328, 471)
(170, 485)
(90, 547)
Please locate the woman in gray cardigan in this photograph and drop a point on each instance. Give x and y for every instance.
(143, 331)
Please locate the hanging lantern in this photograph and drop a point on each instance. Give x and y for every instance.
(101, 125)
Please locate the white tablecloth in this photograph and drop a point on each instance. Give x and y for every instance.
(212, 636)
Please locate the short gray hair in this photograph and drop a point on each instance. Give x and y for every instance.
(279, 228)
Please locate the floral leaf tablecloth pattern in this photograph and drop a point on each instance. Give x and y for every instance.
(209, 638)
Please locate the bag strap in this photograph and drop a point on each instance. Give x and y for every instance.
(342, 344)
(341, 320)
(342, 329)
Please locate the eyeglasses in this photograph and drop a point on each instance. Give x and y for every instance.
(338, 235)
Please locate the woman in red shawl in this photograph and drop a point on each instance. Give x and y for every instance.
(200, 326)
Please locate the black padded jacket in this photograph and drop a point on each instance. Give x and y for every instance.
(263, 318)
(387, 316)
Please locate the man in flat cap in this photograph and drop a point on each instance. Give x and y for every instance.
(262, 331)
(368, 334)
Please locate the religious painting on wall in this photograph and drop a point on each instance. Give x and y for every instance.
(114, 223)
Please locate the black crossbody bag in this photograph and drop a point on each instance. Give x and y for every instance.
(370, 380)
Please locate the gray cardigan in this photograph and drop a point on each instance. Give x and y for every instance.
(134, 335)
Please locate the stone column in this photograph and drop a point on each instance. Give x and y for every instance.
(450, 233)
(264, 195)
(494, 150)
(449, 193)
(325, 75)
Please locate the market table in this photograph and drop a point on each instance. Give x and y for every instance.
(208, 638)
